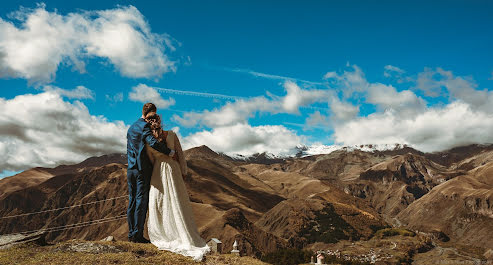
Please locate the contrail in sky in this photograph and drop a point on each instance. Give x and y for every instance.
(217, 96)
(270, 76)
(262, 75)
(197, 94)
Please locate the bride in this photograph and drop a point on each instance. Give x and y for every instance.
(171, 224)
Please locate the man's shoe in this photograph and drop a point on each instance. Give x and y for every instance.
(142, 240)
(131, 239)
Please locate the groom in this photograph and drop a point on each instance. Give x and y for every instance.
(139, 173)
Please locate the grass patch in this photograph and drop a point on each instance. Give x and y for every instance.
(128, 253)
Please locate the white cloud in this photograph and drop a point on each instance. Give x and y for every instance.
(427, 83)
(244, 108)
(330, 75)
(433, 82)
(318, 120)
(398, 74)
(387, 97)
(297, 97)
(44, 40)
(343, 111)
(80, 92)
(230, 113)
(403, 117)
(350, 82)
(143, 93)
(390, 70)
(433, 130)
(45, 130)
(118, 97)
(340, 111)
(246, 140)
(465, 89)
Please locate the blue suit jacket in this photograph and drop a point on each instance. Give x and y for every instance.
(138, 135)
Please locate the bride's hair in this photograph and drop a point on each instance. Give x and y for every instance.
(156, 127)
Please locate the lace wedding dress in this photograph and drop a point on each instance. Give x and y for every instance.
(171, 224)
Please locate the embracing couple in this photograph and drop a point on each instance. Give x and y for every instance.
(156, 169)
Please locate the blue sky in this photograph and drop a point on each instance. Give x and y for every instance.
(254, 49)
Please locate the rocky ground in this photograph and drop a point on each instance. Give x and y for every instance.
(107, 252)
(401, 246)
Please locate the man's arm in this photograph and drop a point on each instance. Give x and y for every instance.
(154, 143)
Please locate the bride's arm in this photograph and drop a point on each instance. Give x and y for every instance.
(181, 156)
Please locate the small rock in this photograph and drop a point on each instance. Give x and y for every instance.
(109, 239)
(87, 247)
(7, 242)
(488, 254)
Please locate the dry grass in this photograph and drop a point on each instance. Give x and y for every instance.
(128, 253)
(387, 232)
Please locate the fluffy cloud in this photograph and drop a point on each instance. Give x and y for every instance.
(80, 92)
(435, 82)
(354, 85)
(231, 113)
(390, 70)
(397, 74)
(340, 111)
(403, 117)
(245, 140)
(244, 108)
(143, 93)
(343, 111)
(318, 120)
(297, 97)
(350, 82)
(118, 97)
(435, 129)
(427, 83)
(45, 130)
(387, 97)
(44, 40)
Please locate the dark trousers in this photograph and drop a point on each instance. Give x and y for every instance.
(138, 201)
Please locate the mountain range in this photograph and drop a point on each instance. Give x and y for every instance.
(267, 203)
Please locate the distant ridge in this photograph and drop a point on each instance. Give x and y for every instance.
(302, 151)
(38, 175)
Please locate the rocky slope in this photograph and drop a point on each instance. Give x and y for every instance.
(462, 208)
(35, 176)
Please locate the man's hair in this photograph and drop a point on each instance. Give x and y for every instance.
(148, 107)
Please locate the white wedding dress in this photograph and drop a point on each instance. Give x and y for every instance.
(171, 224)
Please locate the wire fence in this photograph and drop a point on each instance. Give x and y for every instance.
(63, 208)
(69, 226)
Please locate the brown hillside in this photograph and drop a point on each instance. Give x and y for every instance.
(395, 183)
(461, 208)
